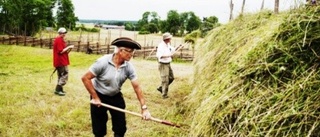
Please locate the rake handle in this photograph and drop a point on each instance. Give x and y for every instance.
(139, 115)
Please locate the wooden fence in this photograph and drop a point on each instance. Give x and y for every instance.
(147, 52)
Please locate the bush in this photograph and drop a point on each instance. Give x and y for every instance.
(192, 37)
(94, 30)
(144, 32)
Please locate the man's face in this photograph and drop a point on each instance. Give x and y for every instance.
(63, 34)
(126, 53)
(167, 40)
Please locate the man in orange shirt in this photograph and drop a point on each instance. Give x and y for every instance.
(61, 60)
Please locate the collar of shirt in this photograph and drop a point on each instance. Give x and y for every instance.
(112, 63)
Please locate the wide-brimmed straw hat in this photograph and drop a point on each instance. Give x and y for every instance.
(62, 30)
(166, 35)
(126, 42)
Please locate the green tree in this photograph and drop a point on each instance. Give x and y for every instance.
(24, 17)
(193, 22)
(129, 26)
(173, 18)
(183, 22)
(149, 22)
(163, 25)
(65, 14)
(49, 19)
(152, 28)
(144, 21)
(2, 15)
(189, 22)
(208, 24)
(154, 22)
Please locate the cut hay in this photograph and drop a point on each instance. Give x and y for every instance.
(259, 76)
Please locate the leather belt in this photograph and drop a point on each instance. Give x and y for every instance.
(164, 63)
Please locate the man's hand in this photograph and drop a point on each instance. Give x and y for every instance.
(67, 49)
(146, 114)
(71, 46)
(96, 102)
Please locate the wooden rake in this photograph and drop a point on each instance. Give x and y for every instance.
(139, 115)
(180, 47)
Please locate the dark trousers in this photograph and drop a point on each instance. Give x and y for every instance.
(99, 116)
(62, 73)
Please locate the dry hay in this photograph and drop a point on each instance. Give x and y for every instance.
(258, 76)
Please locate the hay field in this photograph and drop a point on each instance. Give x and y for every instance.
(29, 108)
(261, 77)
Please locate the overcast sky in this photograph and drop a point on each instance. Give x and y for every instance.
(133, 9)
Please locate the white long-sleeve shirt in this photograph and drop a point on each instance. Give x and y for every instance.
(164, 50)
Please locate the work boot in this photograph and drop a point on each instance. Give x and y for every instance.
(165, 97)
(60, 93)
(116, 135)
(159, 89)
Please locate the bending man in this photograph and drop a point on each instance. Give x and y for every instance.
(104, 80)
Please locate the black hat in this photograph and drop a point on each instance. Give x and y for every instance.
(126, 42)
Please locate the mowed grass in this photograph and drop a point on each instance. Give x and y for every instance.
(28, 107)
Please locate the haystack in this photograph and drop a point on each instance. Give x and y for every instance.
(258, 76)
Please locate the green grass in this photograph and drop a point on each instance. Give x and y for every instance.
(28, 107)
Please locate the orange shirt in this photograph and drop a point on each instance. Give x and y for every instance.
(60, 60)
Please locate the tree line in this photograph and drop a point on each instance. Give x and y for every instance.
(27, 17)
(176, 23)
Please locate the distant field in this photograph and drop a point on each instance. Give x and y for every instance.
(106, 36)
(109, 35)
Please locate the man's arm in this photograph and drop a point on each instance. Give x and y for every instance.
(67, 49)
(137, 89)
(144, 110)
(86, 80)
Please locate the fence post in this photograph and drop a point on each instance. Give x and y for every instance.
(33, 42)
(193, 53)
(9, 40)
(144, 52)
(181, 53)
(41, 42)
(25, 41)
(50, 43)
(88, 45)
(108, 46)
(17, 41)
(78, 46)
(98, 48)
(145, 40)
